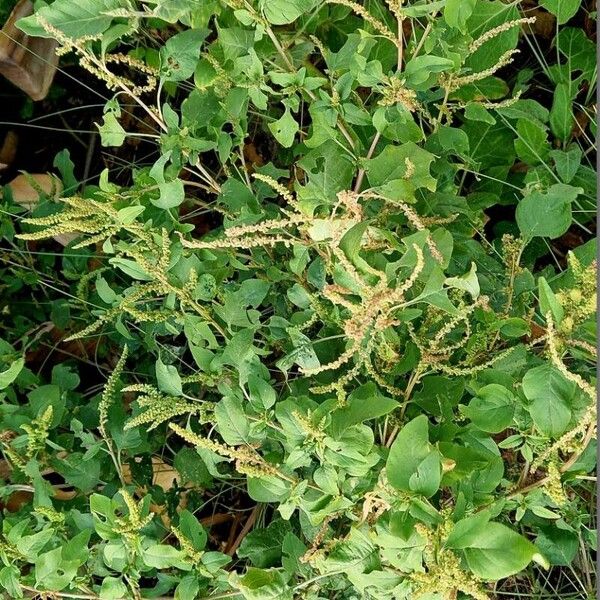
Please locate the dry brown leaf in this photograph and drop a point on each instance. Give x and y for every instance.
(8, 151)
(28, 62)
(25, 189)
(164, 475)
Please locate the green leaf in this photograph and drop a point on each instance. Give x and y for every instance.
(191, 468)
(559, 546)
(112, 589)
(562, 119)
(54, 571)
(131, 268)
(551, 396)
(303, 354)
(260, 584)
(329, 172)
(457, 12)
(232, 422)
(168, 379)
(171, 194)
(547, 214)
(285, 129)
(563, 10)
(282, 12)
(173, 10)
(487, 15)
(179, 56)
(192, 530)
(418, 70)
(492, 550)
(477, 112)
(567, 163)
(467, 282)
(162, 556)
(261, 393)
(10, 374)
(492, 409)
(364, 403)
(74, 19)
(264, 546)
(30, 545)
(391, 164)
(548, 301)
(427, 476)
(111, 131)
(9, 580)
(129, 214)
(410, 466)
(84, 475)
(532, 144)
(267, 489)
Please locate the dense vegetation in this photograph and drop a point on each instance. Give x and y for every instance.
(323, 328)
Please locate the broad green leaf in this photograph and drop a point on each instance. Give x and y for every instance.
(285, 129)
(10, 374)
(492, 409)
(329, 172)
(74, 19)
(172, 194)
(457, 12)
(422, 9)
(262, 584)
(487, 15)
(112, 588)
(168, 379)
(467, 282)
(563, 10)
(562, 119)
(551, 396)
(558, 545)
(84, 475)
(475, 111)
(548, 301)
(111, 131)
(364, 403)
(232, 422)
(303, 353)
(173, 10)
(547, 214)
(192, 530)
(418, 70)
(162, 556)
(282, 12)
(267, 489)
(264, 546)
(129, 214)
(579, 52)
(394, 163)
(191, 468)
(532, 144)
(261, 392)
(492, 550)
(131, 268)
(567, 162)
(31, 545)
(412, 464)
(179, 56)
(427, 476)
(9, 580)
